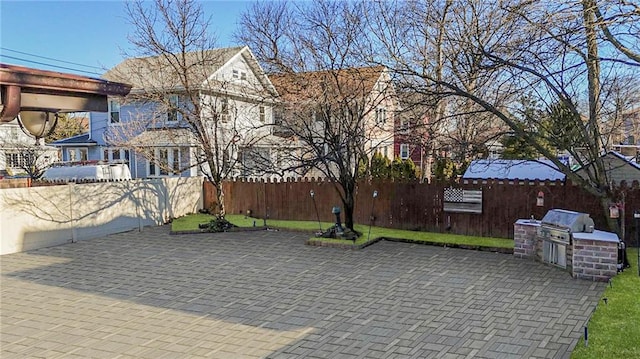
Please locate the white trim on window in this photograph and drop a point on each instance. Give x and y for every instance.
(404, 151)
(173, 115)
(238, 74)
(77, 154)
(381, 116)
(165, 161)
(225, 113)
(114, 112)
(115, 154)
(19, 159)
(262, 113)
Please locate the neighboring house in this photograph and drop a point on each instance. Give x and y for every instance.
(619, 168)
(319, 99)
(147, 128)
(76, 148)
(19, 151)
(411, 136)
(513, 169)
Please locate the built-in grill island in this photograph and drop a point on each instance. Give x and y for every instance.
(568, 240)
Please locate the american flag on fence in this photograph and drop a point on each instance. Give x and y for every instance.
(453, 194)
(462, 200)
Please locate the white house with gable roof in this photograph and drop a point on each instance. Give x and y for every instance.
(154, 128)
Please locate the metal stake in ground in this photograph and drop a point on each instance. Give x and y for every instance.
(313, 194)
(373, 204)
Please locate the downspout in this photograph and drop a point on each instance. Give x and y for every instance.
(10, 103)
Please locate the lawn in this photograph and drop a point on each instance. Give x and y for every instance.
(614, 328)
(190, 223)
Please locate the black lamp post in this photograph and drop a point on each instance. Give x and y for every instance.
(313, 194)
(636, 216)
(373, 204)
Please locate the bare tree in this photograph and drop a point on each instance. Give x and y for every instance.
(68, 125)
(23, 156)
(337, 110)
(494, 52)
(181, 101)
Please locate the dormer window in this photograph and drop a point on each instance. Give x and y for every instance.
(114, 112)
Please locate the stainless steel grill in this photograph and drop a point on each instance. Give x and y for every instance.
(555, 233)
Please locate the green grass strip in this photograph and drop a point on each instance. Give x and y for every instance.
(614, 328)
(190, 223)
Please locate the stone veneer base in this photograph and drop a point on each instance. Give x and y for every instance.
(590, 259)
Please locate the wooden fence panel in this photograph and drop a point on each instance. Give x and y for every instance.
(419, 206)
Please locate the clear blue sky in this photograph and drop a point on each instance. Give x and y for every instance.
(91, 33)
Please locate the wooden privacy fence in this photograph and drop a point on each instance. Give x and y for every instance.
(419, 206)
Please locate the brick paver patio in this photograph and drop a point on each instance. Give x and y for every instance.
(265, 294)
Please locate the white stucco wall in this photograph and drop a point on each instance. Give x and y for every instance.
(38, 217)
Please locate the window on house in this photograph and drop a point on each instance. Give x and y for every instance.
(404, 151)
(381, 116)
(153, 171)
(278, 116)
(405, 124)
(77, 154)
(115, 154)
(13, 160)
(238, 74)
(175, 161)
(224, 109)
(172, 112)
(164, 162)
(114, 112)
(261, 115)
(19, 159)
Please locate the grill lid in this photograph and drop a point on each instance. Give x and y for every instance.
(573, 221)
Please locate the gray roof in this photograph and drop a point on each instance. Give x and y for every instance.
(156, 73)
(83, 139)
(513, 169)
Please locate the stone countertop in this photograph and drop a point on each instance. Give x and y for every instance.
(528, 222)
(597, 236)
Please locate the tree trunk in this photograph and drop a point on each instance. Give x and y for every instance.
(220, 209)
(593, 77)
(349, 204)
